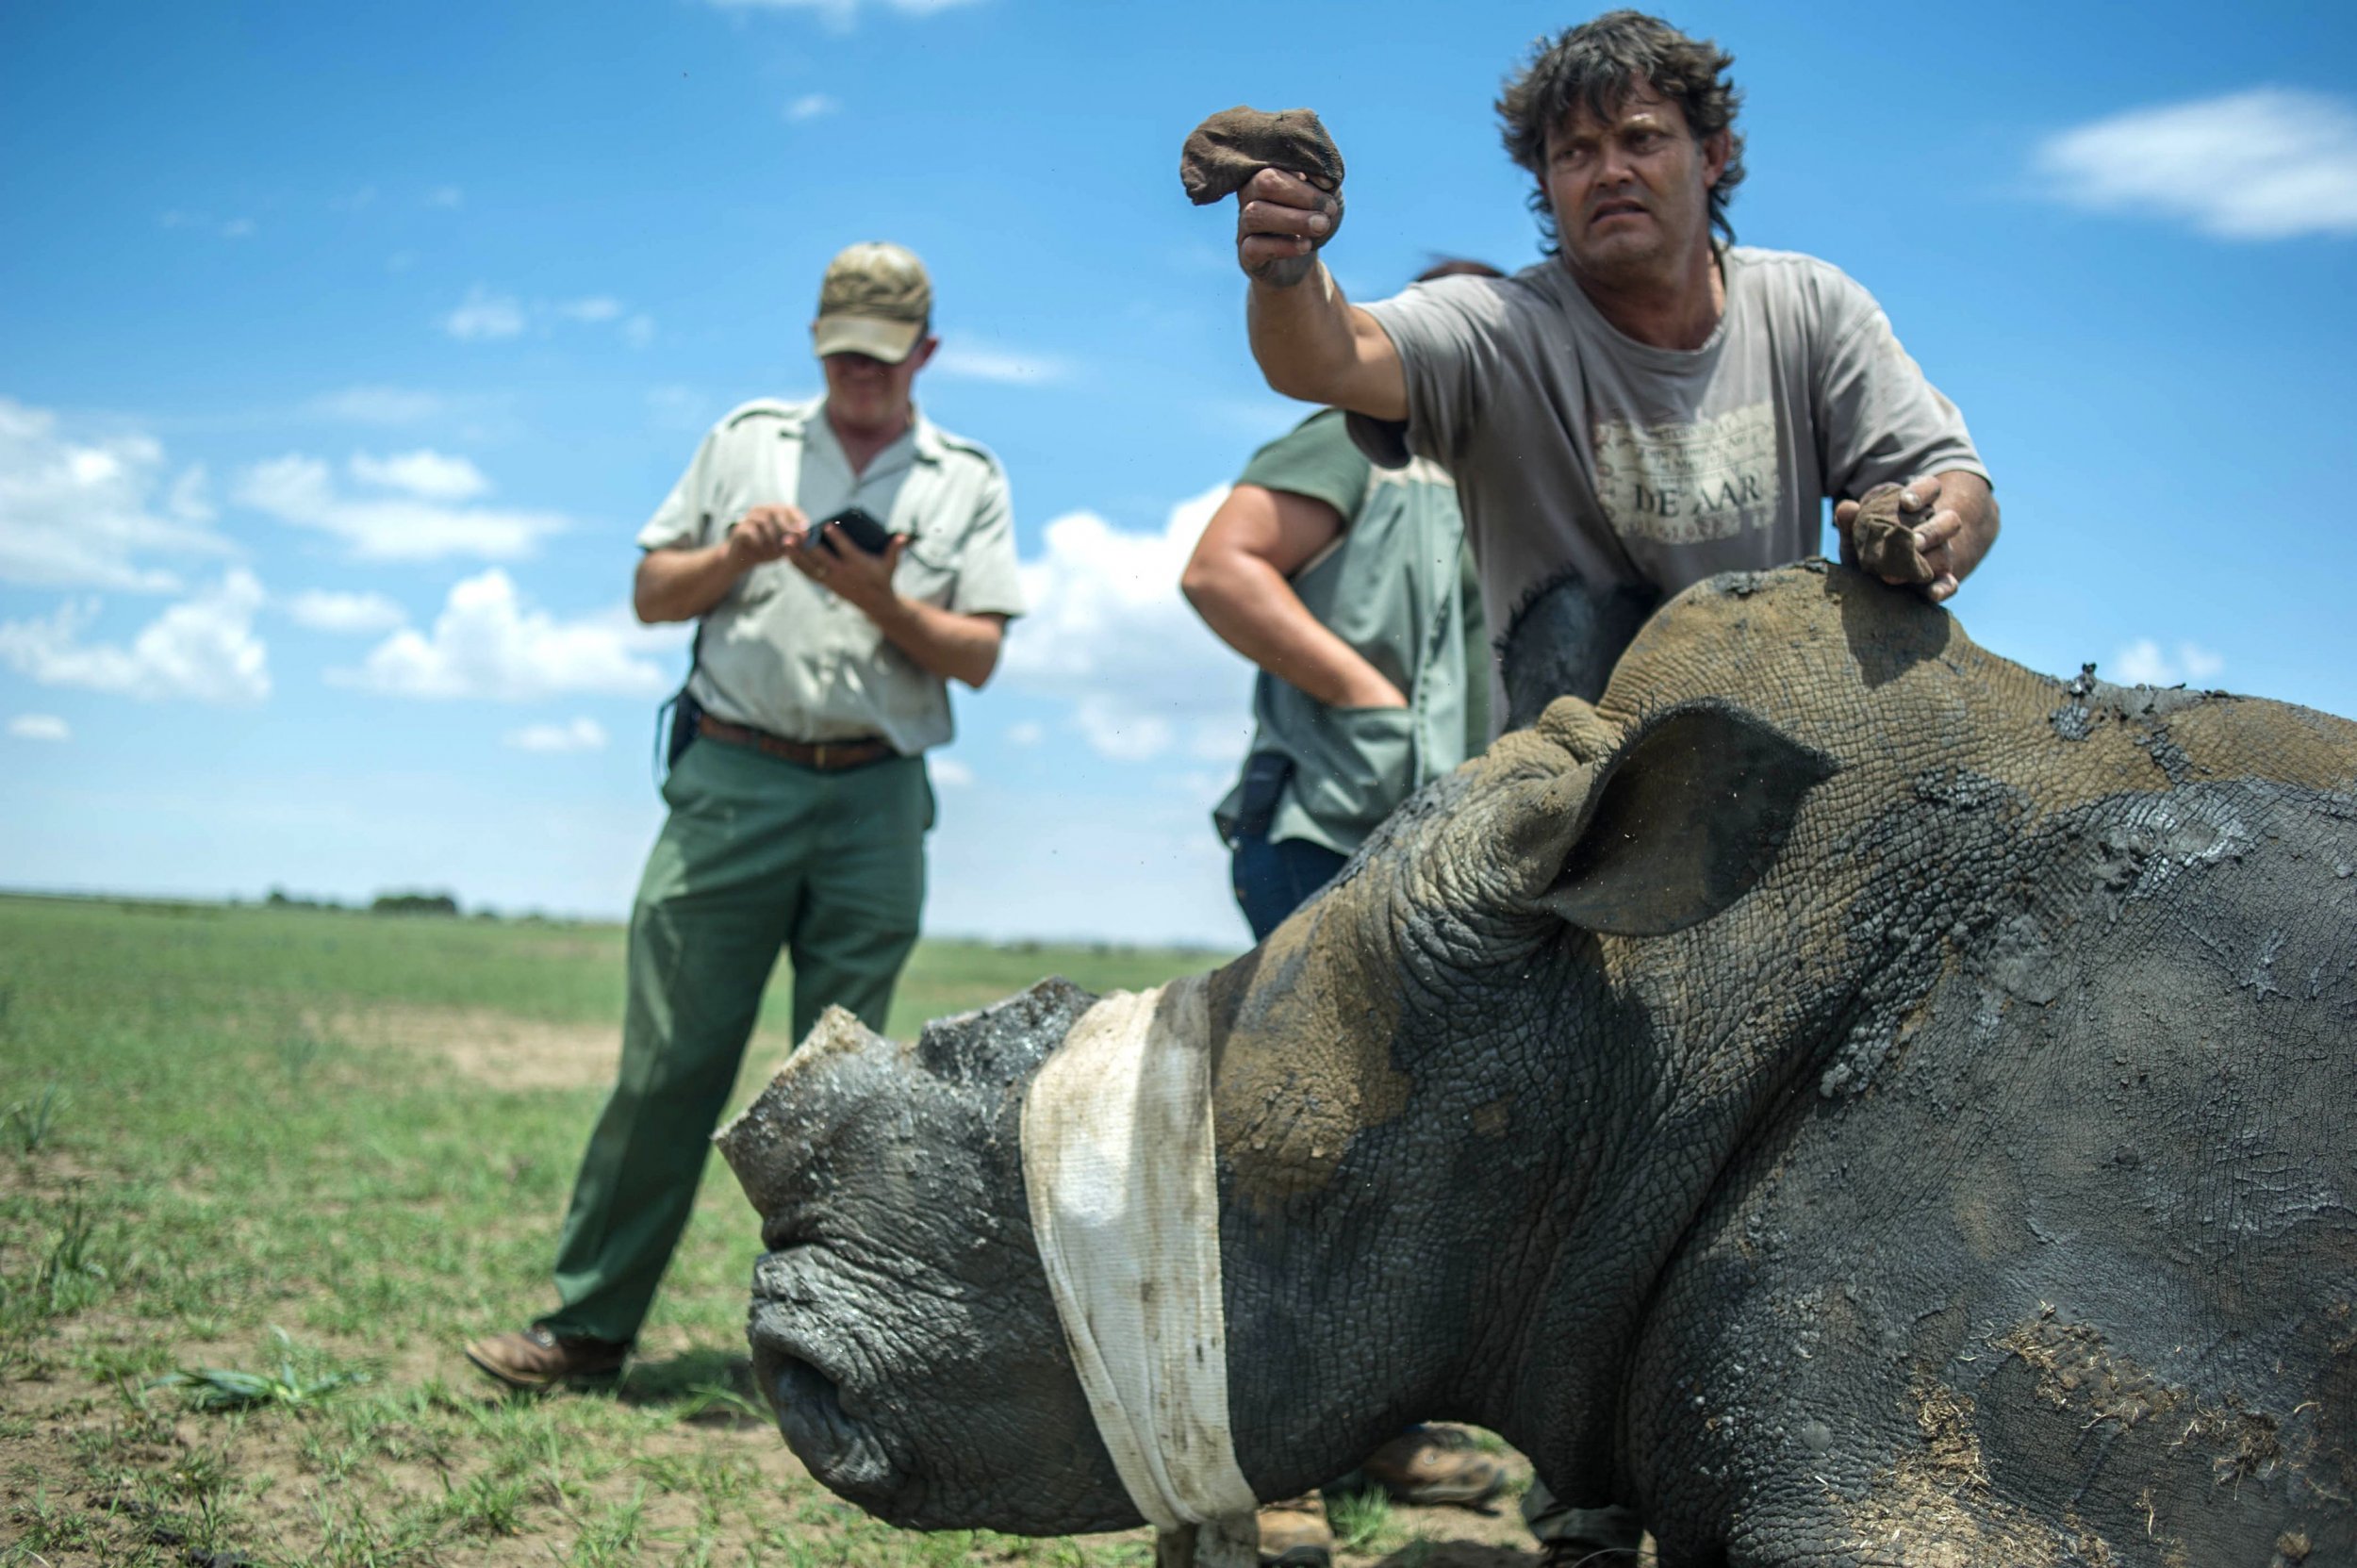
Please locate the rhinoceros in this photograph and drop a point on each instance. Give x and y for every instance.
(1850, 1098)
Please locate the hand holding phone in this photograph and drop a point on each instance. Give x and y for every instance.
(858, 525)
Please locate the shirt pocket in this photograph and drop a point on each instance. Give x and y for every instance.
(1355, 765)
(929, 512)
(926, 572)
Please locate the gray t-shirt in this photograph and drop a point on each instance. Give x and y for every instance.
(1577, 447)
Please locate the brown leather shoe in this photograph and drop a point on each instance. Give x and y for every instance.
(1431, 1465)
(538, 1358)
(1293, 1533)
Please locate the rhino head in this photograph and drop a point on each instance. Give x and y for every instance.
(1696, 1089)
(1405, 1081)
(901, 1327)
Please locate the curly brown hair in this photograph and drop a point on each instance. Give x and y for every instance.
(1595, 65)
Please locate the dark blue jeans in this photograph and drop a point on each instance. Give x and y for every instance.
(1274, 879)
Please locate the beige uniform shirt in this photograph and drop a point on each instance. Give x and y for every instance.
(782, 654)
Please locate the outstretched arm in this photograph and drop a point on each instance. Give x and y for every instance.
(1311, 344)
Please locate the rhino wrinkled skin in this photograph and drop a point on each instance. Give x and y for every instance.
(1849, 1096)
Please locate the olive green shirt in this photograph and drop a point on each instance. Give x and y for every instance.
(782, 654)
(1398, 586)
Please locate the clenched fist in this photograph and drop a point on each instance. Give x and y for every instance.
(1287, 177)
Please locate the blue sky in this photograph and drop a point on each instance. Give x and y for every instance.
(343, 348)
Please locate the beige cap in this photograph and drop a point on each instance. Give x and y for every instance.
(876, 301)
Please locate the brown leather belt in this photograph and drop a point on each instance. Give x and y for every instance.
(827, 756)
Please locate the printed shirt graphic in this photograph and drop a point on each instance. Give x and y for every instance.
(1687, 483)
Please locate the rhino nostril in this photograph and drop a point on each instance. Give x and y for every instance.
(809, 1407)
(797, 1384)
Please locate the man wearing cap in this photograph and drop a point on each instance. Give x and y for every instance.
(799, 803)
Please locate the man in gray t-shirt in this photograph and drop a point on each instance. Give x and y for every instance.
(1645, 407)
(1650, 405)
(1577, 447)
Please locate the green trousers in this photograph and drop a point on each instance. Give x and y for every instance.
(757, 855)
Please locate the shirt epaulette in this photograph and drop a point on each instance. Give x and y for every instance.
(775, 408)
(971, 448)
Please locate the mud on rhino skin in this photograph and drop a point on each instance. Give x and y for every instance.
(1965, 1183)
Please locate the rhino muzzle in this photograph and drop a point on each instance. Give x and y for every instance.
(901, 1328)
(826, 1428)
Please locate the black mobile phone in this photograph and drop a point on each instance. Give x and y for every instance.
(860, 526)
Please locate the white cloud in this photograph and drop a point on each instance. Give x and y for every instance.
(2199, 664)
(485, 316)
(40, 726)
(325, 611)
(582, 735)
(488, 643)
(2271, 163)
(1109, 637)
(83, 509)
(447, 196)
(2142, 664)
(303, 492)
(378, 405)
(811, 106)
(190, 498)
(971, 360)
(428, 475)
(1029, 733)
(949, 772)
(203, 648)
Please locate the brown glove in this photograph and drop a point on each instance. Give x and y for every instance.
(1885, 540)
(1229, 148)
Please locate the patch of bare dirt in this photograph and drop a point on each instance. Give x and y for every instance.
(498, 1050)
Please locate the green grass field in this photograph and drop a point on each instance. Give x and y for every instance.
(315, 1151)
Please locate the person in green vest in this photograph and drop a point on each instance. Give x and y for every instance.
(1351, 588)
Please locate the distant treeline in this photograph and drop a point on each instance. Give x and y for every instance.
(384, 903)
(422, 901)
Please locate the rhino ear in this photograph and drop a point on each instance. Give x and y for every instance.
(1683, 820)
